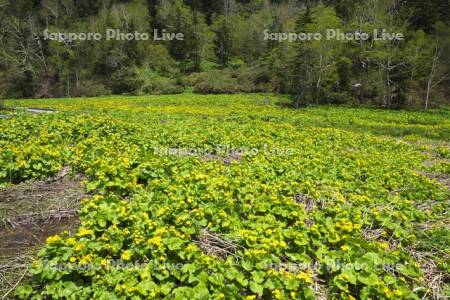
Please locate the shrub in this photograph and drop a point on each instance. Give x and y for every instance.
(162, 86)
(217, 82)
(91, 88)
(228, 81)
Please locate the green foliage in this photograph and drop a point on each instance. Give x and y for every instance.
(217, 82)
(162, 86)
(227, 81)
(222, 42)
(230, 34)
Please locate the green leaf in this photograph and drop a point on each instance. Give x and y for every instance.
(292, 283)
(188, 268)
(389, 279)
(145, 286)
(101, 222)
(258, 276)
(350, 275)
(241, 279)
(201, 291)
(308, 294)
(183, 293)
(247, 265)
(24, 291)
(256, 288)
(408, 270)
(174, 243)
(370, 280)
(166, 288)
(217, 279)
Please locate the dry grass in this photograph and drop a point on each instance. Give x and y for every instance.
(214, 244)
(309, 204)
(305, 200)
(228, 160)
(13, 271)
(29, 213)
(320, 291)
(434, 277)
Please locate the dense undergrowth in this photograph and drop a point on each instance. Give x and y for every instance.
(230, 197)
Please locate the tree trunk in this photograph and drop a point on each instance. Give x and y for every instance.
(68, 86)
(431, 77)
(389, 89)
(318, 90)
(427, 98)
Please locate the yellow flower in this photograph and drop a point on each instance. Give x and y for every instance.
(347, 226)
(71, 241)
(84, 231)
(277, 294)
(97, 198)
(293, 295)
(126, 255)
(79, 246)
(191, 248)
(252, 297)
(145, 274)
(104, 262)
(86, 259)
(345, 248)
(122, 211)
(161, 231)
(255, 252)
(157, 240)
(305, 277)
(53, 239)
(387, 292)
(384, 245)
(72, 259)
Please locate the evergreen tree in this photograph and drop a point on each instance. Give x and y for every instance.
(222, 40)
(301, 62)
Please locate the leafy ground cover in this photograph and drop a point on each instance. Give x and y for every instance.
(238, 197)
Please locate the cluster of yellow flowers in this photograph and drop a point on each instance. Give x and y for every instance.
(82, 231)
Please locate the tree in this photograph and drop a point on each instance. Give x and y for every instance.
(438, 73)
(387, 52)
(301, 62)
(22, 53)
(223, 39)
(425, 14)
(199, 43)
(344, 8)
(326, 53)
(180, 18)
(315, 60)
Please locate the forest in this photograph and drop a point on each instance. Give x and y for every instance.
(225, 149)
(230, 46)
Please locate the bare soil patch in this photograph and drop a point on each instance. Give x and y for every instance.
(443, 179)
(29, 213)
